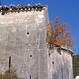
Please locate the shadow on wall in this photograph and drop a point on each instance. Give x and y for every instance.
(62, 72)
(55, 76)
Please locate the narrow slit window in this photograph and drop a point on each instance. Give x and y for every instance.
(30, 77)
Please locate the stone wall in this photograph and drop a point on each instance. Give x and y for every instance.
(23, 37)
(60, 63)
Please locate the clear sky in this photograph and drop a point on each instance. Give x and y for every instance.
(68, 10)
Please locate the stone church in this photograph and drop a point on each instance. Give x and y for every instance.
(23, 39)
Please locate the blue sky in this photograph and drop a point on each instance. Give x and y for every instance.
(68, 10)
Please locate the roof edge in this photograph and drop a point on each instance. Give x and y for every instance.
(7, 9)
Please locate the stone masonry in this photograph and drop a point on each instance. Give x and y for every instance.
(23, 37)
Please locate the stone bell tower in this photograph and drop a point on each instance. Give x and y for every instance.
(23, 37)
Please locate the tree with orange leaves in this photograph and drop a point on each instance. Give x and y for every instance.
(56, 34)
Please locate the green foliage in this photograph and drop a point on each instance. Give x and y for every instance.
(76, 65)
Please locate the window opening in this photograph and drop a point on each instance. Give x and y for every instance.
(30, 77)
(27, 33)
(30, 55)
